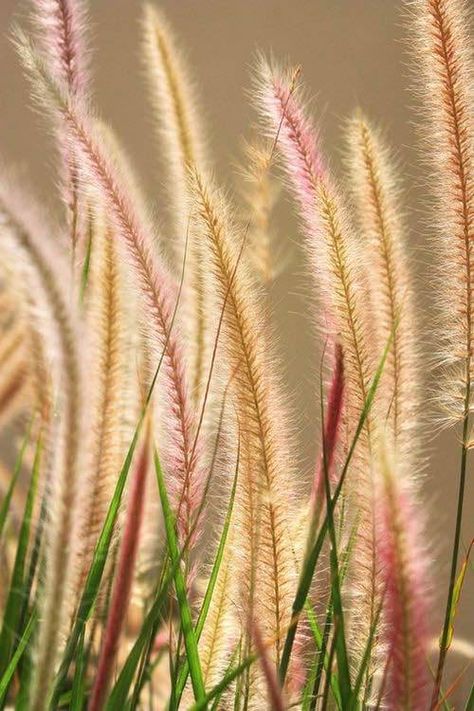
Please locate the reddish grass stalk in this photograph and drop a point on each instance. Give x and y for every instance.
(123, 582)
(275, 694)
(331, 431)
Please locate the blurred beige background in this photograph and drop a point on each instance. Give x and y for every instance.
(352, 52)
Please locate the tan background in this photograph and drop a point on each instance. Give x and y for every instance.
(352, 52)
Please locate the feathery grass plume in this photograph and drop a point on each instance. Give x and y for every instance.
(263, 499)
(61, 30)
(328, 233)
(260, 193)
(375, 186)
(445, 68)
(44, 273)
(123, 580)
(15, 383)
(178, 123)
(404, 570)
(333, 250)
(97, 168)
(110, 374)
(220, 633)
(23, 371)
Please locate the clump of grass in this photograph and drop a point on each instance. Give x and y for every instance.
(259, 594)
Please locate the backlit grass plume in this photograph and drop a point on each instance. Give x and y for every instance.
(444, 59)
(155, 282)
(264, 530)
(337, 269)
(167, 541)
(379, 212)
(177, 118)
(61, 30)
(260, 193)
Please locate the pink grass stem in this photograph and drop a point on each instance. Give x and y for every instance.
(331, 431)
(269, 671)
(124, 578)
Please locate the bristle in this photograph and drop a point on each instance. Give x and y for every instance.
(178, 121)
(263, 498)
(403, 565)
(37, 252)
(445, 75)
(376, 193)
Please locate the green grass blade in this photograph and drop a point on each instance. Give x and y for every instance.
(190, 642)
(365, 659)
(87, 259)
(14, 604)
(340, 639)
(327, 684)
(122, 686)
(309, 566)
(470, 701)
(10, 670)
(322, 659)
(217, 699)
(182, 678)
(224, 683)
(78, 691)
(96, 570)
(5, 506)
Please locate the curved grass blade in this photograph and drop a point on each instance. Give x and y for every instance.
(309, 566)
(236, 653)
(119, 694)
(99, 559)
(321, 661)
(5, 507)
(339, 628)
(353, 705)
(457, 590)
(183, 675)
(10, 670)
(94, 577)
(224, 683)
(13, 609)
(78, 691)
(470, 701)
(190, 642)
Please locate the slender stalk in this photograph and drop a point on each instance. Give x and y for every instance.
(455, 553)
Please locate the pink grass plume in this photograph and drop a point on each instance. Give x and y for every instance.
(123, 580)
(404, 574)
(61, 31)
(332, 428)
(61, 28)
